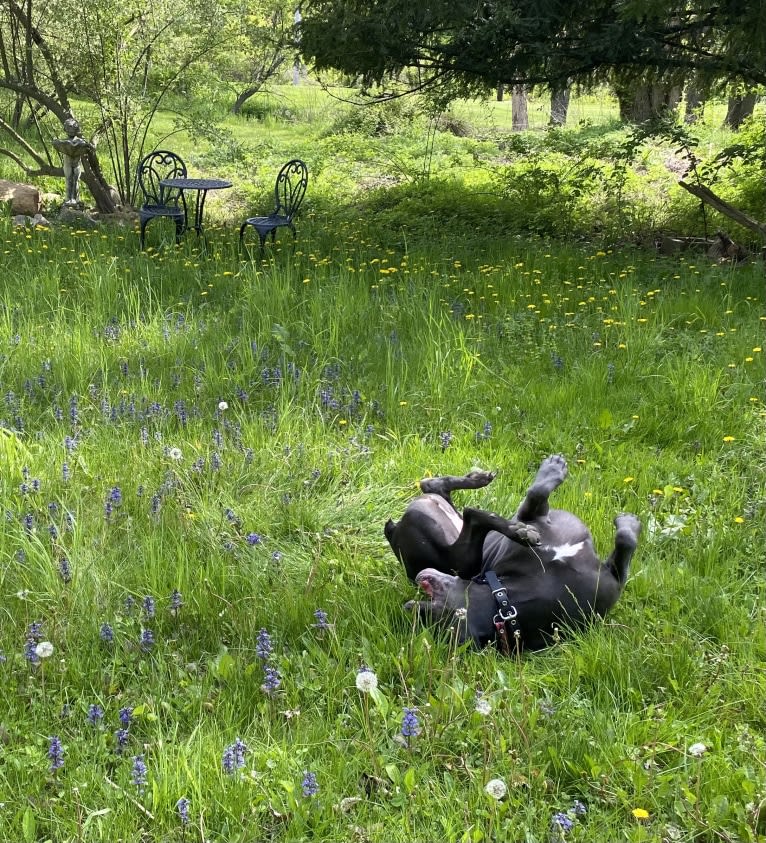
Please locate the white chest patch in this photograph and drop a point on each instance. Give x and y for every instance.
(566, 551)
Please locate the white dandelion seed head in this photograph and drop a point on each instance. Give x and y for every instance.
(697, 749)
(366, 681)
(222, 405)
(496, 788)
(175, 454)
(44, 650)
(483, 706)
(461, 614)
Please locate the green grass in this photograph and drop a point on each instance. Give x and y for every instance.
(411, 313)
(342, 364)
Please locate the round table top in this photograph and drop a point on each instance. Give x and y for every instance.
(196, 184)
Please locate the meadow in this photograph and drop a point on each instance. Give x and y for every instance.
(200, 449)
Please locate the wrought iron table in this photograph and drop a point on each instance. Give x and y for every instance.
(201, 186)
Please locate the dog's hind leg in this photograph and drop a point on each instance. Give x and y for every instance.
(625, 541)
(443, 486)
(550, 476)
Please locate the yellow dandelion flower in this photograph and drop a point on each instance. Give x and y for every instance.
(728, 438)
(640, 814)
(628, 479)
(739, 520)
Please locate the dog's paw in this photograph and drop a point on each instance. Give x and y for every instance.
(525, 534)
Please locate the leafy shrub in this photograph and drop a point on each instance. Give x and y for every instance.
(375, 120)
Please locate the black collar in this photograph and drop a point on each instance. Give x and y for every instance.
(506, 611)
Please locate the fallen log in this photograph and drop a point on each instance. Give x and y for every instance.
(721, 205)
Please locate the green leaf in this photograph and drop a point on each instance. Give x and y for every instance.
(409, 780)
(29, 826)
(224, 665)
(392, 771)
(381, 703)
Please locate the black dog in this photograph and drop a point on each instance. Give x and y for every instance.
(518, 580)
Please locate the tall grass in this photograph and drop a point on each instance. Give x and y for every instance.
(347, 372)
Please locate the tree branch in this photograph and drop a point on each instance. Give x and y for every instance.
(721, 205)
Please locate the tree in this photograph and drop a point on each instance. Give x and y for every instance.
(475, 44)
(261, 45)
(119, 63)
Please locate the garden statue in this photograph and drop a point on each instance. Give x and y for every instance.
(72, 149)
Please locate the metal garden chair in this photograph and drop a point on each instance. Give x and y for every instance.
(159, 201)
(289, 191)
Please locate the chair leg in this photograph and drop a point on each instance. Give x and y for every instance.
(180, 229)
(141, 235)
(263, 241)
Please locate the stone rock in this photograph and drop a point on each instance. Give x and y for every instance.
(24, 198)
(73, 216)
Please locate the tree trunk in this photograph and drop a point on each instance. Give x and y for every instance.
(642, 101)
(519, 113)
(740, 108)
(695, 104)
(500, 91)
(559, 106)
(97, 184)
(243, 97)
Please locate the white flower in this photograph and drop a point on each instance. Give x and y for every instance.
(461, 614)
(496, 788)
(222, 405)
(175, 454)
(697, 749)
(44, 649)
(483, 706)
(366, 681)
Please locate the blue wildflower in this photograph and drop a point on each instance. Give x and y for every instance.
(233, 757)
(271, 681)
(138, 773)
(410, 723)
(65, 570)
(106, 633)
(55, 753)
(263, 647)
(146, 640)
(95, 714)
(321, 620)
(253, 539)
(121, 736)
(182, 806)
(176, 602)
(562, 821)
(445, 438)
(126, 716)
(309, 784)
(148, 606)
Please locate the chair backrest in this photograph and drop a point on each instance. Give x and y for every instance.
(157, 165)
(290, 188)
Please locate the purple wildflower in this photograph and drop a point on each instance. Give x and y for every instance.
(146, 640)
(147, 604)
(95, 714)
(271, 680)
(176, 602)
(106, 633)
(138, 773)
(445, 438)
(579, 808)
(65, 570)
(55, 753)
(182, 806)
(321, 620)
(263, 647)
(253, 539)
(233, 757)
(562, 821)
(121, 736)
(309, 784)
(410, 724)
(126, 716)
